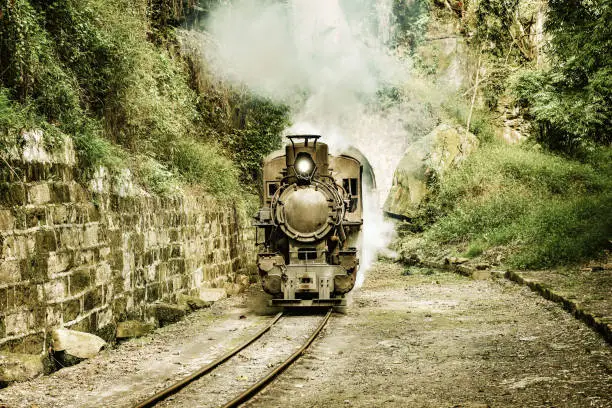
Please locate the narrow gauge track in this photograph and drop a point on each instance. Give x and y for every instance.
(251, 390)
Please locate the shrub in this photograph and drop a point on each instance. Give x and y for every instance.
(567, 120)
(549, 209)
(93, 150)
(15, 117)
(12, 118)
(157, 177)
(206, 165)
(258, 126)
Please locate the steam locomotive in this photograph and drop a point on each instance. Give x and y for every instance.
(311, 220)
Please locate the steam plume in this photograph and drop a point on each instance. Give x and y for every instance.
(329, 61)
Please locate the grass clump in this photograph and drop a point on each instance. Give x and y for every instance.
(475, 249)
(159, 179)
(546, 210)
(15, 117)
(205, 164)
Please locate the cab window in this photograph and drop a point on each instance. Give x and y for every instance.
(272, 187)
(351, 186)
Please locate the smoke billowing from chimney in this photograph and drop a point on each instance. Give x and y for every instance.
(329, 61)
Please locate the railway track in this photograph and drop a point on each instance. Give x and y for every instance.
(162, 396)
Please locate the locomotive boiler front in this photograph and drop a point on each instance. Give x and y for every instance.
(308, 258)
(308, 213)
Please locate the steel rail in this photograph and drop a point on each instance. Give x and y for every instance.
(255, 388)
(174, 388)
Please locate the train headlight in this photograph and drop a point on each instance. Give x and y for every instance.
(304, 166)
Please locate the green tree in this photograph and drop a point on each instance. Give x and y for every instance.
(411, 19)
(571, 103)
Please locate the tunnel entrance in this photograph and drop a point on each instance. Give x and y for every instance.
(368, 177)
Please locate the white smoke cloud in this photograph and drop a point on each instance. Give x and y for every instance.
(329, 61)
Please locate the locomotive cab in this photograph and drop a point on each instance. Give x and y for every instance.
(310, 221)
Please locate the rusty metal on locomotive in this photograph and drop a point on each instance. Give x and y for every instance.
(311, 219)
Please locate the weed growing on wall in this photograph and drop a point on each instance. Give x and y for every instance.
(12, 118)
(205, 164)
(15, 117)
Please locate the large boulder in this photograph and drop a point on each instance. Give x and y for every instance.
(79, 344)
(423, 164)
(71, 347)
(20, 367)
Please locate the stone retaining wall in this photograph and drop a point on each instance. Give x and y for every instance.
(84, 260)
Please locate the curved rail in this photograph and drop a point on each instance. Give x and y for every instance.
(255, 388)
(174, 388)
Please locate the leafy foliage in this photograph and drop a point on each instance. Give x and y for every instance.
(110, 73)
(566, 93)
(258, 125)
(505, 29)
(411, 19)
(12, 118)
(205, 164)
(29, 65)
(572, 102)
(15, 117)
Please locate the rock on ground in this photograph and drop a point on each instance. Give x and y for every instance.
(243, 280)
(78, 344)
(212, 294)
(133, 328)
(233, 289)
(166, 313)
(192, 302)
(20, 367)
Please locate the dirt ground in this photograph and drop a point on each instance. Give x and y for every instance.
(425, 339)
(250, 365)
